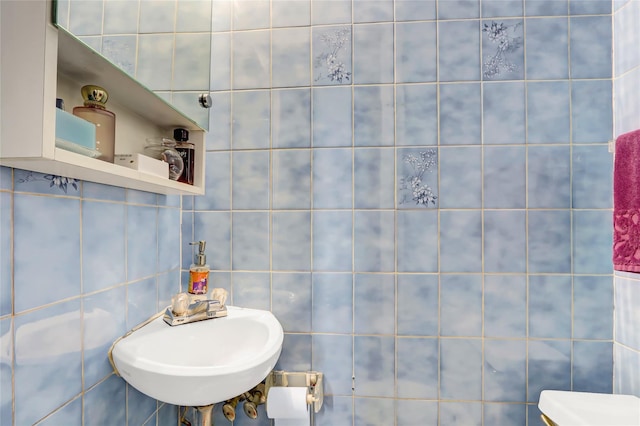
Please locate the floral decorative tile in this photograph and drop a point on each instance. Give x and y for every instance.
(417, 177)
(332, 63)
(29, 181)
(502, 44)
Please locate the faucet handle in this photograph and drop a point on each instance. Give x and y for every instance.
(219, 294)
(180, 303)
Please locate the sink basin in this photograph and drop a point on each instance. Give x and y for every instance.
(567, 408)
(201, 363)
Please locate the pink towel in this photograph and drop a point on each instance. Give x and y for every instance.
(626, 203)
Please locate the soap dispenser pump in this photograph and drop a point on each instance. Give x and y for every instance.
(199, 270)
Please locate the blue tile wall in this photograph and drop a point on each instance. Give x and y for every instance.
(82, 263)
(444, 201)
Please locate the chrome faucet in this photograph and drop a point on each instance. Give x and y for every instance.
(185, 311)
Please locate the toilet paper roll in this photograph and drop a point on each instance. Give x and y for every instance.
(288, 406)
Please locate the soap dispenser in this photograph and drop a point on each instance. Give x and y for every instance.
(199, 271)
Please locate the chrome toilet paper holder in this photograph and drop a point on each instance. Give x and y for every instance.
(312, 380)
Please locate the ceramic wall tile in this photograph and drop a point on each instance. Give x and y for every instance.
(460, 369)
(251, 14)
(217, 182)
(85, 18)
(34, 237)
(460, 177)
(47, 375)
(505, 303)
(250, 124)
(292, 301)
(250, 241)
(461, 305)
(592, 236)
(416, 412)
(193, 16)
(142, 246)
(373, 178)
(332, 178)
(548, 113)
(332, 303)
(100, 241)
(504, 113)
(504, 413)
(70, 413)
(549, 241)
(330, 12)
(378, 351)
(504, 372)
(497, 8)
(417, 254)
(251, 290)
(332, 244)
(458, 9)
(592, 367)
(251, 59)
(374, 307)
(296, 353)
(416, 115)
(461, 241)
(418, 301)
(459, 50)
(503, 49)
(591, 111)
(291, 118)
(546, 46)
(549, 177)
(107, 401)
(290, 53)
(144, 406)
(372, 115)
(415, 52)
(373, 53)
(219, 135)
(333, 355)
(469, 413)
(291, 241)
(157, 16)
(415, 10)
(331, 47)
(373, 234)
(504, 177)
(250, 180)
(291, 13)
(220, 66)
(592, 298)
(372, 10)
(332, 117)
(417, 178)
(190, 72)
(339, 412)
(549, 306)
(505, 241)
(460, 108)
(590, 41)
(291, 181)
(547, 8)
(140, 306)
(592, 168)
(371, 410)
(118, 19)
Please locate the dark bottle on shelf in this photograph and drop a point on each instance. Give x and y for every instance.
(187, 152)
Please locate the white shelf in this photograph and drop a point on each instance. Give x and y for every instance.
(47, 62)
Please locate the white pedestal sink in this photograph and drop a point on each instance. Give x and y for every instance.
(200, 363)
